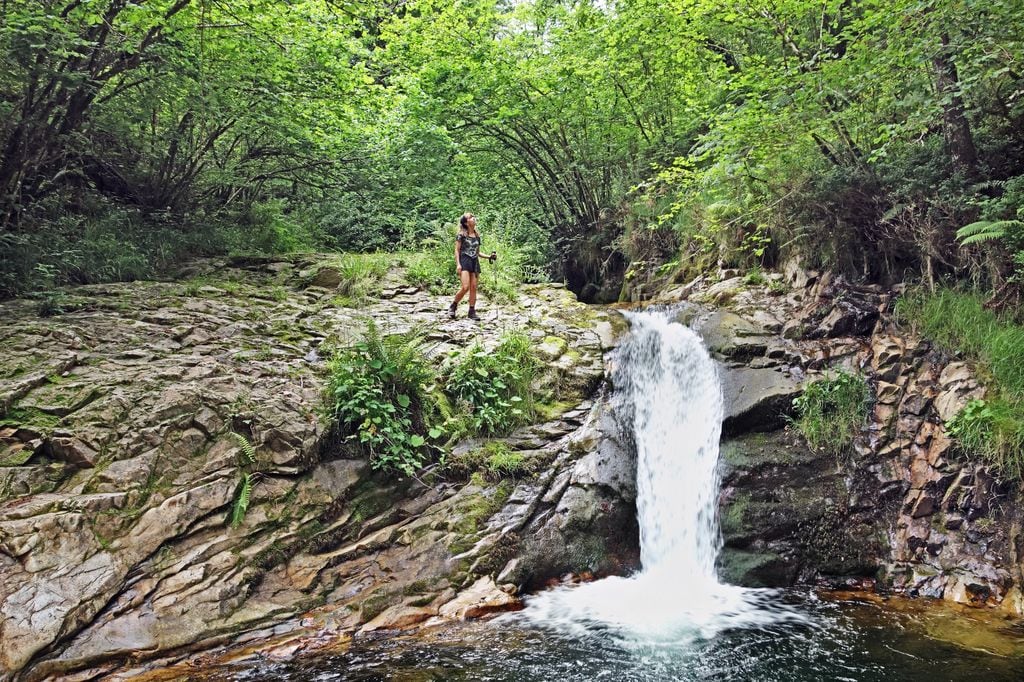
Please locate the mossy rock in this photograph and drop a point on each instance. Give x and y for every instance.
(552, 348)
(755, 568)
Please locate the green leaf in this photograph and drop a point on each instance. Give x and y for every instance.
(403, 400)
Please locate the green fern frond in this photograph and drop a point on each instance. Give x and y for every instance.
(241, 503)
(248, 449)
(986, 230)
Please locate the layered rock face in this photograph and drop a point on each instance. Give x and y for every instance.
(122, 423)
(902, 506)
(120, 437)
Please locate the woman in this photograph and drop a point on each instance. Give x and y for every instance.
(467, 263)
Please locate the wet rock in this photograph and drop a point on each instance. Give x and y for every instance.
(756, 399)
(730, 335)
(483, 598)
(787, 515)
(402, 616)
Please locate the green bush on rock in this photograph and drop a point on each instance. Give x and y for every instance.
(831, 410)
(494, 388)
(378, 391)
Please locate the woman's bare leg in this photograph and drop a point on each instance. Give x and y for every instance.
(466, 288)
(473, 277)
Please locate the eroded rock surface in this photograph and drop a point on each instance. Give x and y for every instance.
(119, 465)
(902, 507)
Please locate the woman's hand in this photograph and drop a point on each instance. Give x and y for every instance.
(458, 270)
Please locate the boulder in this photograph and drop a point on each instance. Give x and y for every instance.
(756, 399)
(729, 335)
(787, 515)
(483, 598)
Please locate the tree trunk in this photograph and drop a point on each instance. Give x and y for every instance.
(956, 127)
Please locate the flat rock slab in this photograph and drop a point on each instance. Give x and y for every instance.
(730, 335)
(756, 399)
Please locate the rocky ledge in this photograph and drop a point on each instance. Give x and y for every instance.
(903, 509)
(119, 447)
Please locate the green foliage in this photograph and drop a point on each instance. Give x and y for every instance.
(832, 410)
(361, 276)
(378, 391)
(493, 388)
(495, 460)
(108, 243)
(433, 266)
(994, 431)
(247, 454)
(241, 499)
(583, 134)
(248, 476)
(1008, 232)
(959, 323)
(987, 230)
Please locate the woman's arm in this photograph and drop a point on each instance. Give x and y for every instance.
(458, 253)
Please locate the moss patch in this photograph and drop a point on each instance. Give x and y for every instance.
(754, 569)
(494, 461)
(474, 511)
(30, 416)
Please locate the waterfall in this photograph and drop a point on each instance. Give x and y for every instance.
(672, 385)
(667, 382)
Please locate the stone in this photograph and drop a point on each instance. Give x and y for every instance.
(552, 348)
(756, 399)
(887, 354)
(326, 278)
(732, 336)
(956, 373)
(923, 505)
(949, 403)
(888, 394)
(722, 292)
(73, 451)
(793, 329)
(401, 616)
(339, 476)
(483, 598)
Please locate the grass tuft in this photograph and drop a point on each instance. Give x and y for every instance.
(832, 410)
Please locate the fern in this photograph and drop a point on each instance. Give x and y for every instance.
(986, 230)
(248, 453)
(241, 503)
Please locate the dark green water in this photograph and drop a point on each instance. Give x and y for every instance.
(841, 641)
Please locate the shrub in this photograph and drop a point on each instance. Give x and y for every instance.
(361, 274)
(433, 268)
(494, 388)
(379, 392)
(832, 410)
(105, 242)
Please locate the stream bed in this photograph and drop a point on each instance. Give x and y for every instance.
(850, 639)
